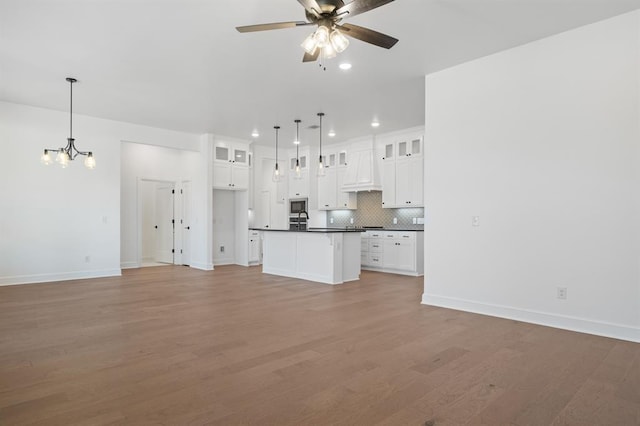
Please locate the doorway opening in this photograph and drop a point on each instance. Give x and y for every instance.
(156, 200)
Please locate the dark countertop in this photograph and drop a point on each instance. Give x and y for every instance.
(329, 230)
(312, 230)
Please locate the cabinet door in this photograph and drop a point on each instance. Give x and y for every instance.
(410, 182)
(390, 253)
(344, 200)
(388, 184)
(254, 249)
(406, 252)
(299, 187)
(222, 152)
(241, 156)
(327, 190)
(222, 175)
(239, 177)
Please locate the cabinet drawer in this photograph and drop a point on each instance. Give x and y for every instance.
(375, 246)
(374, 234)
(375, 259)
(253, 234)
(407, 236)
(389, 235)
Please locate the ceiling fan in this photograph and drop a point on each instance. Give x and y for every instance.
(329, 38)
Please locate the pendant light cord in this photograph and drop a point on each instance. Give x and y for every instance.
(71, 110)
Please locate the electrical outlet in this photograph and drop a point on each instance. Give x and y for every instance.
(221, 249)
(415, 220)
(330, 220)
(395, 220)
(562, 293)
(475, 220)
(351, 221)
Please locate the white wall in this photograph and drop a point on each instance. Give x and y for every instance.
(542, 142)
(51, 219)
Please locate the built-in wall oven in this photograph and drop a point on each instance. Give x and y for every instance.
(298, 213)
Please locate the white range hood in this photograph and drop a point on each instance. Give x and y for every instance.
(363, 172)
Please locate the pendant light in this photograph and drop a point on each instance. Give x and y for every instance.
(298, 171)
(321, 165)
(70, 152)
(277, 174)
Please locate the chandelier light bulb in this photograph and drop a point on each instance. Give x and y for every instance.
(276, 174)
(46, 158)
(298, 171)
(90, 162)
(63, 159)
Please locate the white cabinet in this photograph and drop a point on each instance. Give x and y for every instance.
(403, 171)
(255, 247)
(409, 182)
(399, 252)
(299, 187)
(330, 194)
(231, 165)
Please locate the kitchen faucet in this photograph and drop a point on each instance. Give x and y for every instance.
(300, 214)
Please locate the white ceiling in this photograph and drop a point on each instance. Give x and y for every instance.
(181, 65)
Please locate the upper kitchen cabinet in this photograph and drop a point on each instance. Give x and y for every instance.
(361, 167)
(231, 165)
(330, 194)
(299, 185)
(402, 169)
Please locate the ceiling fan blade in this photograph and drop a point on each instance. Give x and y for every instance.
(311, 58)
(357, 7)
(312, 7)
(272, 26)
(368, 35)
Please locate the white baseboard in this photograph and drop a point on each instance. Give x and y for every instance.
(62, 276)
(598, 328)
(129, 265)
(202, 266)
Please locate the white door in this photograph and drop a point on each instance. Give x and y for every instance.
(186, 223)
(164, 223)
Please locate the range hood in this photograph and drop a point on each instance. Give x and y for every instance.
(362, 173)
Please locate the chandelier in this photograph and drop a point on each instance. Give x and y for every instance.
(69, 152)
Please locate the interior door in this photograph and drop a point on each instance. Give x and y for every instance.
(164, 223)
(186, 223)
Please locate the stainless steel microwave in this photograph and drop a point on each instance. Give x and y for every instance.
(298, 205)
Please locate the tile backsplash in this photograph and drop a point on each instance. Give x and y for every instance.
(371, 213)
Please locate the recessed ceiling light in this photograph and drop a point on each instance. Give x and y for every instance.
(332, 134)
(375, 124)
(345, 66)
(255, 134)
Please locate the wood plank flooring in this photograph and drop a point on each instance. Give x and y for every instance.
(177, 346)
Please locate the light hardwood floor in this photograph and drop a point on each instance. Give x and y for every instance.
(176, 346)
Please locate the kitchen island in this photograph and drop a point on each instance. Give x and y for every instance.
(324, 255)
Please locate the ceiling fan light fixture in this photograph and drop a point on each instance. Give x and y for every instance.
(328, 52)
(339, 41)
(322, 36)
(310, 44)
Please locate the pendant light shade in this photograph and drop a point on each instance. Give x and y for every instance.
(277, 173)
(69, 152)
(321, 165)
